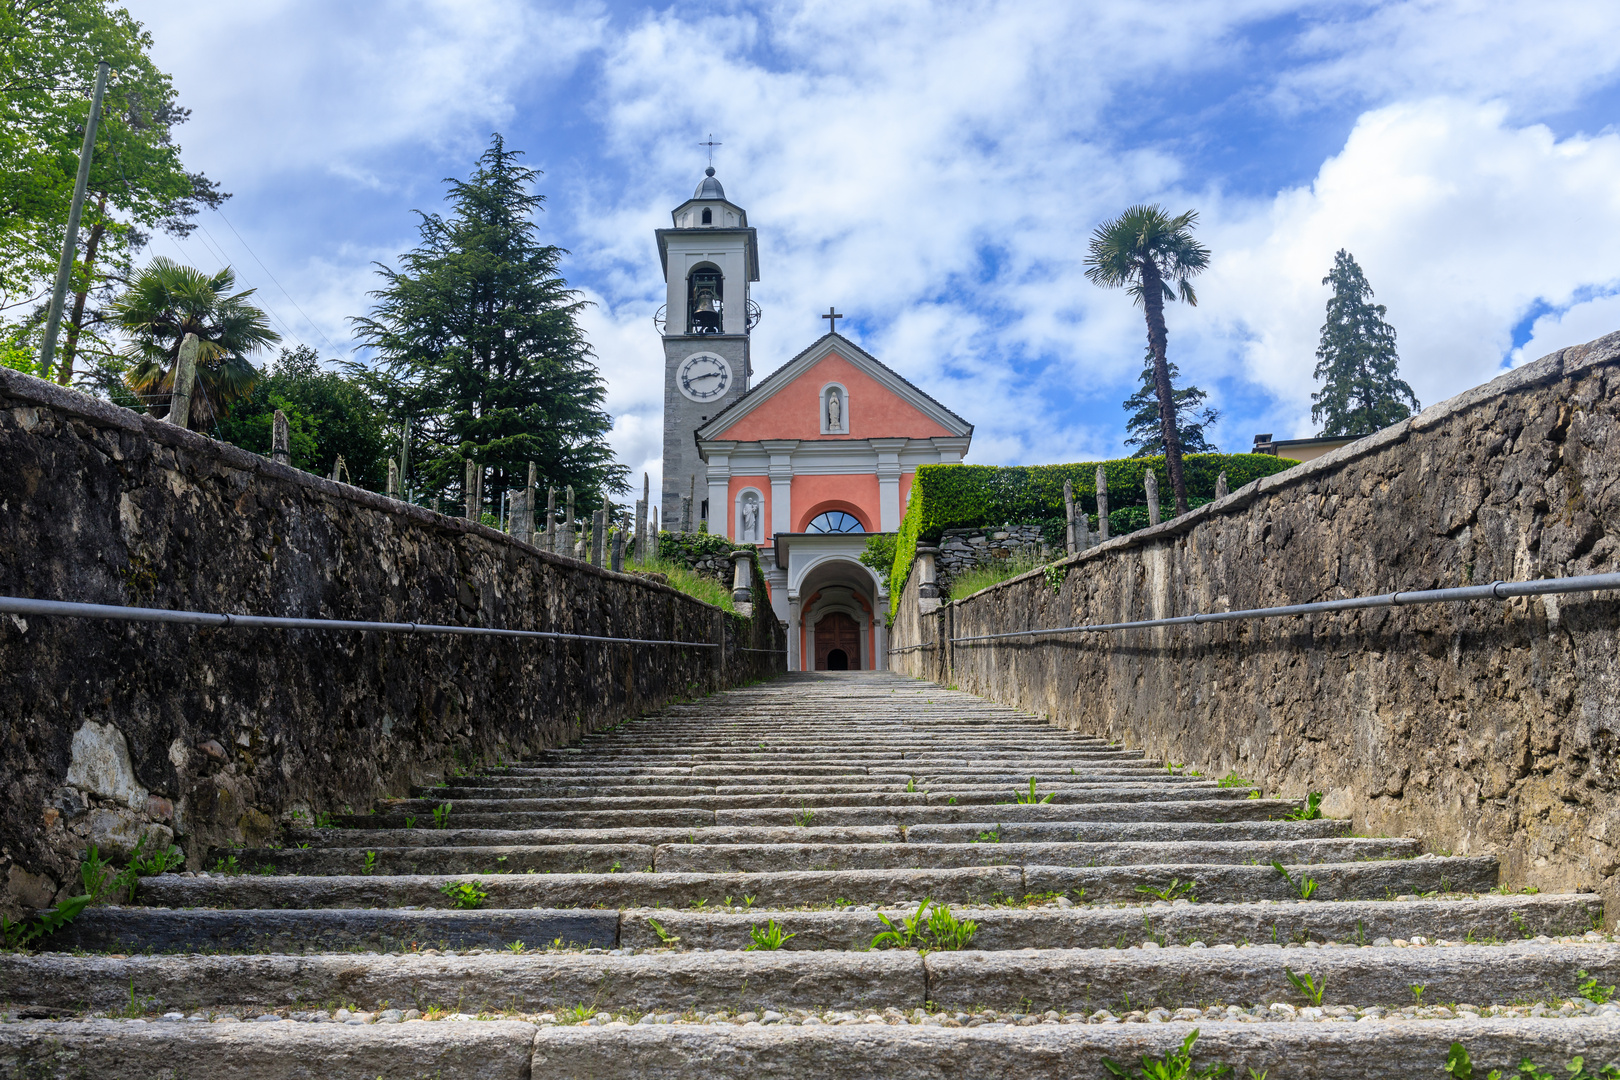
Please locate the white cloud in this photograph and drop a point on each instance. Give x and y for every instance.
(1582, 322)
(1461, 222)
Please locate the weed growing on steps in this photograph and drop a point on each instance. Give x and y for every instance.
(664, 936)
(1232, 779)
(1311, 811)
(1031, 799)
(465, 894)
(323, 820)
(410, 821)
(369, 863)
(1417, 992)
(993, 836)
(515, 946)
(1305, 886)
(441, 815)
(1459, 1067)
(1309, 988)
(1591, 991)
(770, 938)
(938, 929)
(227, 866)
(1175, 1065)
(804, 817)
(1177, 889)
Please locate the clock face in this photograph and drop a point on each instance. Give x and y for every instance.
(704, 376)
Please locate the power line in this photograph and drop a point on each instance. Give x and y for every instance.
(218, 251)
(283, 289)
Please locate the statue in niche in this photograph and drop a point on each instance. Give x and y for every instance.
(835, 412)
(750, 521)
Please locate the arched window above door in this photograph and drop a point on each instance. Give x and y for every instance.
(835, 521)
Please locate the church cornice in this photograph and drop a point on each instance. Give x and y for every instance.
(708, 231)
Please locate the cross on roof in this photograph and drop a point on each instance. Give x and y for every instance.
(832, 316)
(711, 144)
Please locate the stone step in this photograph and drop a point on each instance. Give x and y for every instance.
(487, 1050)
(1099, 926)
(1066, 794)
(1030, 832)
(761, 857)
(908, 813)
(722, 858)
(1298, 1051)
(789, 888)
(1066, 980)
(1090, 926)
(333, 930)
(785, 889)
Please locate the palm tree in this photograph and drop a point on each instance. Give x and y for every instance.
(167, 301)
(1153, 255)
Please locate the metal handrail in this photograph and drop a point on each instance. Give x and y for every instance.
(18, 605)
(1496, 590)
(909, 648)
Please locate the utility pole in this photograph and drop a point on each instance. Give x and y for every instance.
(53, 322)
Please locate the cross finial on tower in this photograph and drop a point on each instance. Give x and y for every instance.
(711, 144)
(832, 318)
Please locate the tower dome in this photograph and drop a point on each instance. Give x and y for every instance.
(709, 187)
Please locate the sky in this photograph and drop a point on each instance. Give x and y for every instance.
(934, 171)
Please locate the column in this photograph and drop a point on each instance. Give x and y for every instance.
(888, 471)
(781, 451)
(720, 515)
(794, 611)
(880, 659)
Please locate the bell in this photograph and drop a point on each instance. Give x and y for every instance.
(705, 317)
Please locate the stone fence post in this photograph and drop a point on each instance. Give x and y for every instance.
(280, 440)
(185, 374)
(927, 583)
(1150, 484)
(393, 479)
(1221, 491)
(598, 536)
(469, 491)
(1102, 505)
(1068, 514)
(742, 581)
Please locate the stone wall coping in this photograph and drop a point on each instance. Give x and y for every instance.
(1550, 368)
(20, 385)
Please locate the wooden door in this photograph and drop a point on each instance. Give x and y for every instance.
(838, 643)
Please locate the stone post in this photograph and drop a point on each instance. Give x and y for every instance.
(338, 469)
(1068, 513)
(1150, 483)
(641, 518)
(1082, 529)
(551, 519)
(435, 504)
(652, 533)
(478, 492)
(573, 536)
(927, 570)
(280, 440)
(1102, 505)
(618, 549)
(469, 490)
(185, 376)
(598, 535)
(518, 516)
(686, 513)
(1221, 491)
(530, 496)
(393, 479)
(742, 581)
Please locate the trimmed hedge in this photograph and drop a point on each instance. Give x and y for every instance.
(971, 496)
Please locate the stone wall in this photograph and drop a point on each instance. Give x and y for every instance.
(208, 737)
(964, 549)
(1482, 727)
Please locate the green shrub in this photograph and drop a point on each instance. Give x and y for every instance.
(974, 496)
(879, 551)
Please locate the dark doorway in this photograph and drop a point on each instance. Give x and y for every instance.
(838, 643)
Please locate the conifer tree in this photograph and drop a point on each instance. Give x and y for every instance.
(1145, 427)
(478, 346)
(1356, 360)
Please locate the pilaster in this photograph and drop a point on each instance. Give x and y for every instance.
(888, 471)
(781, 451)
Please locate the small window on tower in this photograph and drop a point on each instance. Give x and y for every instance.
(708, 216)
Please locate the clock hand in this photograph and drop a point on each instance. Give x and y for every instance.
(698, 378)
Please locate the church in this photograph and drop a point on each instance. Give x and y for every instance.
(804, 463)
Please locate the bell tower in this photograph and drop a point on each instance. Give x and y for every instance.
(710, 256)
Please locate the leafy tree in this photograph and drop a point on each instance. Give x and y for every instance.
(1145, 428)
(477, 342)
(167, 301)
(48, 54)
(1356, 359)
(1153, 256)
(328, 414)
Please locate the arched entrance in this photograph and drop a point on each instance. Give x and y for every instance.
(838, 643)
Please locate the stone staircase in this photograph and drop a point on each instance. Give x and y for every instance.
(590, 914)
